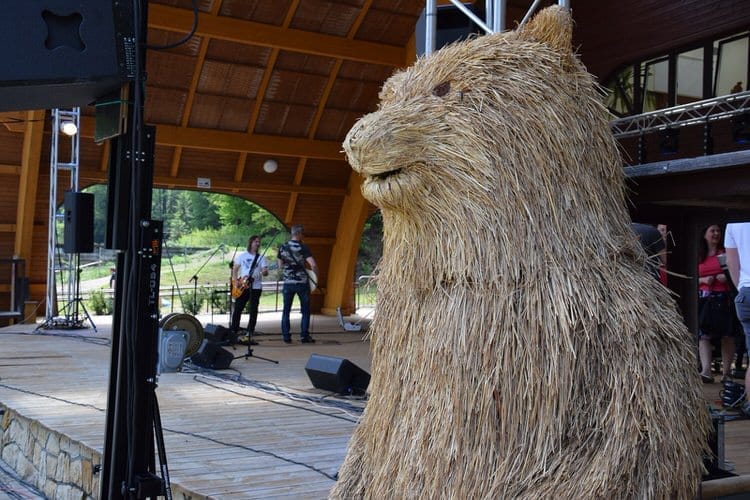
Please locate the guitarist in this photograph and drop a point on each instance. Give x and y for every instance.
(293, 255)
(247, 281)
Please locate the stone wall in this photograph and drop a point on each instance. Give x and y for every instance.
(56, 465)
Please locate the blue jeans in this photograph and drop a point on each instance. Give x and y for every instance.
(302, 290)
(742, 307)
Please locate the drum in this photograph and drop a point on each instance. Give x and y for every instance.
(188, 323)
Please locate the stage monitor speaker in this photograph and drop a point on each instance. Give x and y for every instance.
(337, 375)
(58, 53)
(79, 222)
(219, 334)
(212, 355)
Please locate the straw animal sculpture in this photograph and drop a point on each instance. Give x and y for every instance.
(520, 347)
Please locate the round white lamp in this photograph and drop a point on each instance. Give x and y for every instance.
(270, 166)
(68, 128)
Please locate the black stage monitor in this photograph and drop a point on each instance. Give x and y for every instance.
(337, 375)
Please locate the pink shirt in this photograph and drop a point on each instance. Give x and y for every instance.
(711, 267)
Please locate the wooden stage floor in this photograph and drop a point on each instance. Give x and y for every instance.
(256, 430)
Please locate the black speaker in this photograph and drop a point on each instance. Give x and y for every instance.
(220, 334)
(58, 53)
(79, 222)
(337, 375)
(212, 355)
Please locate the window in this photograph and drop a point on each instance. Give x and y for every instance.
(655, 78)
(620, 93)
(690, 76)
(731, 67)
(681, 78)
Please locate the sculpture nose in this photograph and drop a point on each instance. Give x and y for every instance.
(353, 143)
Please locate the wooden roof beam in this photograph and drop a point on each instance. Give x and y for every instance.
(187, 110)
(223, 186)
(299, 174)
(262, 87)
(29, 182)
(272, 145)
(236, 30)
(240, 142)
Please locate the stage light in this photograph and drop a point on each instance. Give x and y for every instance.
(69, 128)
(270, 166)
(670, 140)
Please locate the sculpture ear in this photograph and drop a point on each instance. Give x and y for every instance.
(552, 26)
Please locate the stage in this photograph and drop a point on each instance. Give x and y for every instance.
(255, 430)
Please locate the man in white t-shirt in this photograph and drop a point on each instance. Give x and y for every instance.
(247, 275)
(737, 244)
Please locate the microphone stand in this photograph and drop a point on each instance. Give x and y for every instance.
(194, 279)
(231, 282)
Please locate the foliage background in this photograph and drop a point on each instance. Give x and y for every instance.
(203, 231)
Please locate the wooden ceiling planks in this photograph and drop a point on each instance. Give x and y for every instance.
(612, 34)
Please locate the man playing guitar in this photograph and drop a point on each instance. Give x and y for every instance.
(247, 284)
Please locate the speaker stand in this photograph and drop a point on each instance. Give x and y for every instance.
(71, 319)
(250, 354)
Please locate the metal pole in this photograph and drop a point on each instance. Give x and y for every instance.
(430, 17)
(530, 12)
(564, 3)
(52, 218)
(498, 15)
(489, 17)
(471, 16)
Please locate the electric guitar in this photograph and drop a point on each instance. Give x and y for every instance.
(240, 285)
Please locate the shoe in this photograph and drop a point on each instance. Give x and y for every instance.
(287, 340)
(307, 340)
(707, 379)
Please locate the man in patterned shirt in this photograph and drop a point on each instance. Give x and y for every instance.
(292, 258)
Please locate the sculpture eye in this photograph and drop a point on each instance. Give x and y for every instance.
(442, 89)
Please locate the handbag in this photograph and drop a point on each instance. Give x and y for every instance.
(715, 315)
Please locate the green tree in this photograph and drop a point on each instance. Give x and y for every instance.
(233, 211)
(370, 245)
(100, 210)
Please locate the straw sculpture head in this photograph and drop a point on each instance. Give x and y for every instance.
(520, 347)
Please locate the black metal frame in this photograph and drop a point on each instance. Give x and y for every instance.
(132, 425)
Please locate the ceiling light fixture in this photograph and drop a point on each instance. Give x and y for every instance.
(68, 128)
(270, 166)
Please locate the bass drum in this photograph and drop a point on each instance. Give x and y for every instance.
(187, 323)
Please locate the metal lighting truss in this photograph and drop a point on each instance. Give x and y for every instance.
(494, 22)
(60, 116)
(694, 113)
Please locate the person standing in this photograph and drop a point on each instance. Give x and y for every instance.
(714, 305)
(293, 255)
(652, 243)
(247, 274)
(737, 244)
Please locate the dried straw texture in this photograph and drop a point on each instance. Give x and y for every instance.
(520, 349)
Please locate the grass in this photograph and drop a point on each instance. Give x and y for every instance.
(211, 268)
